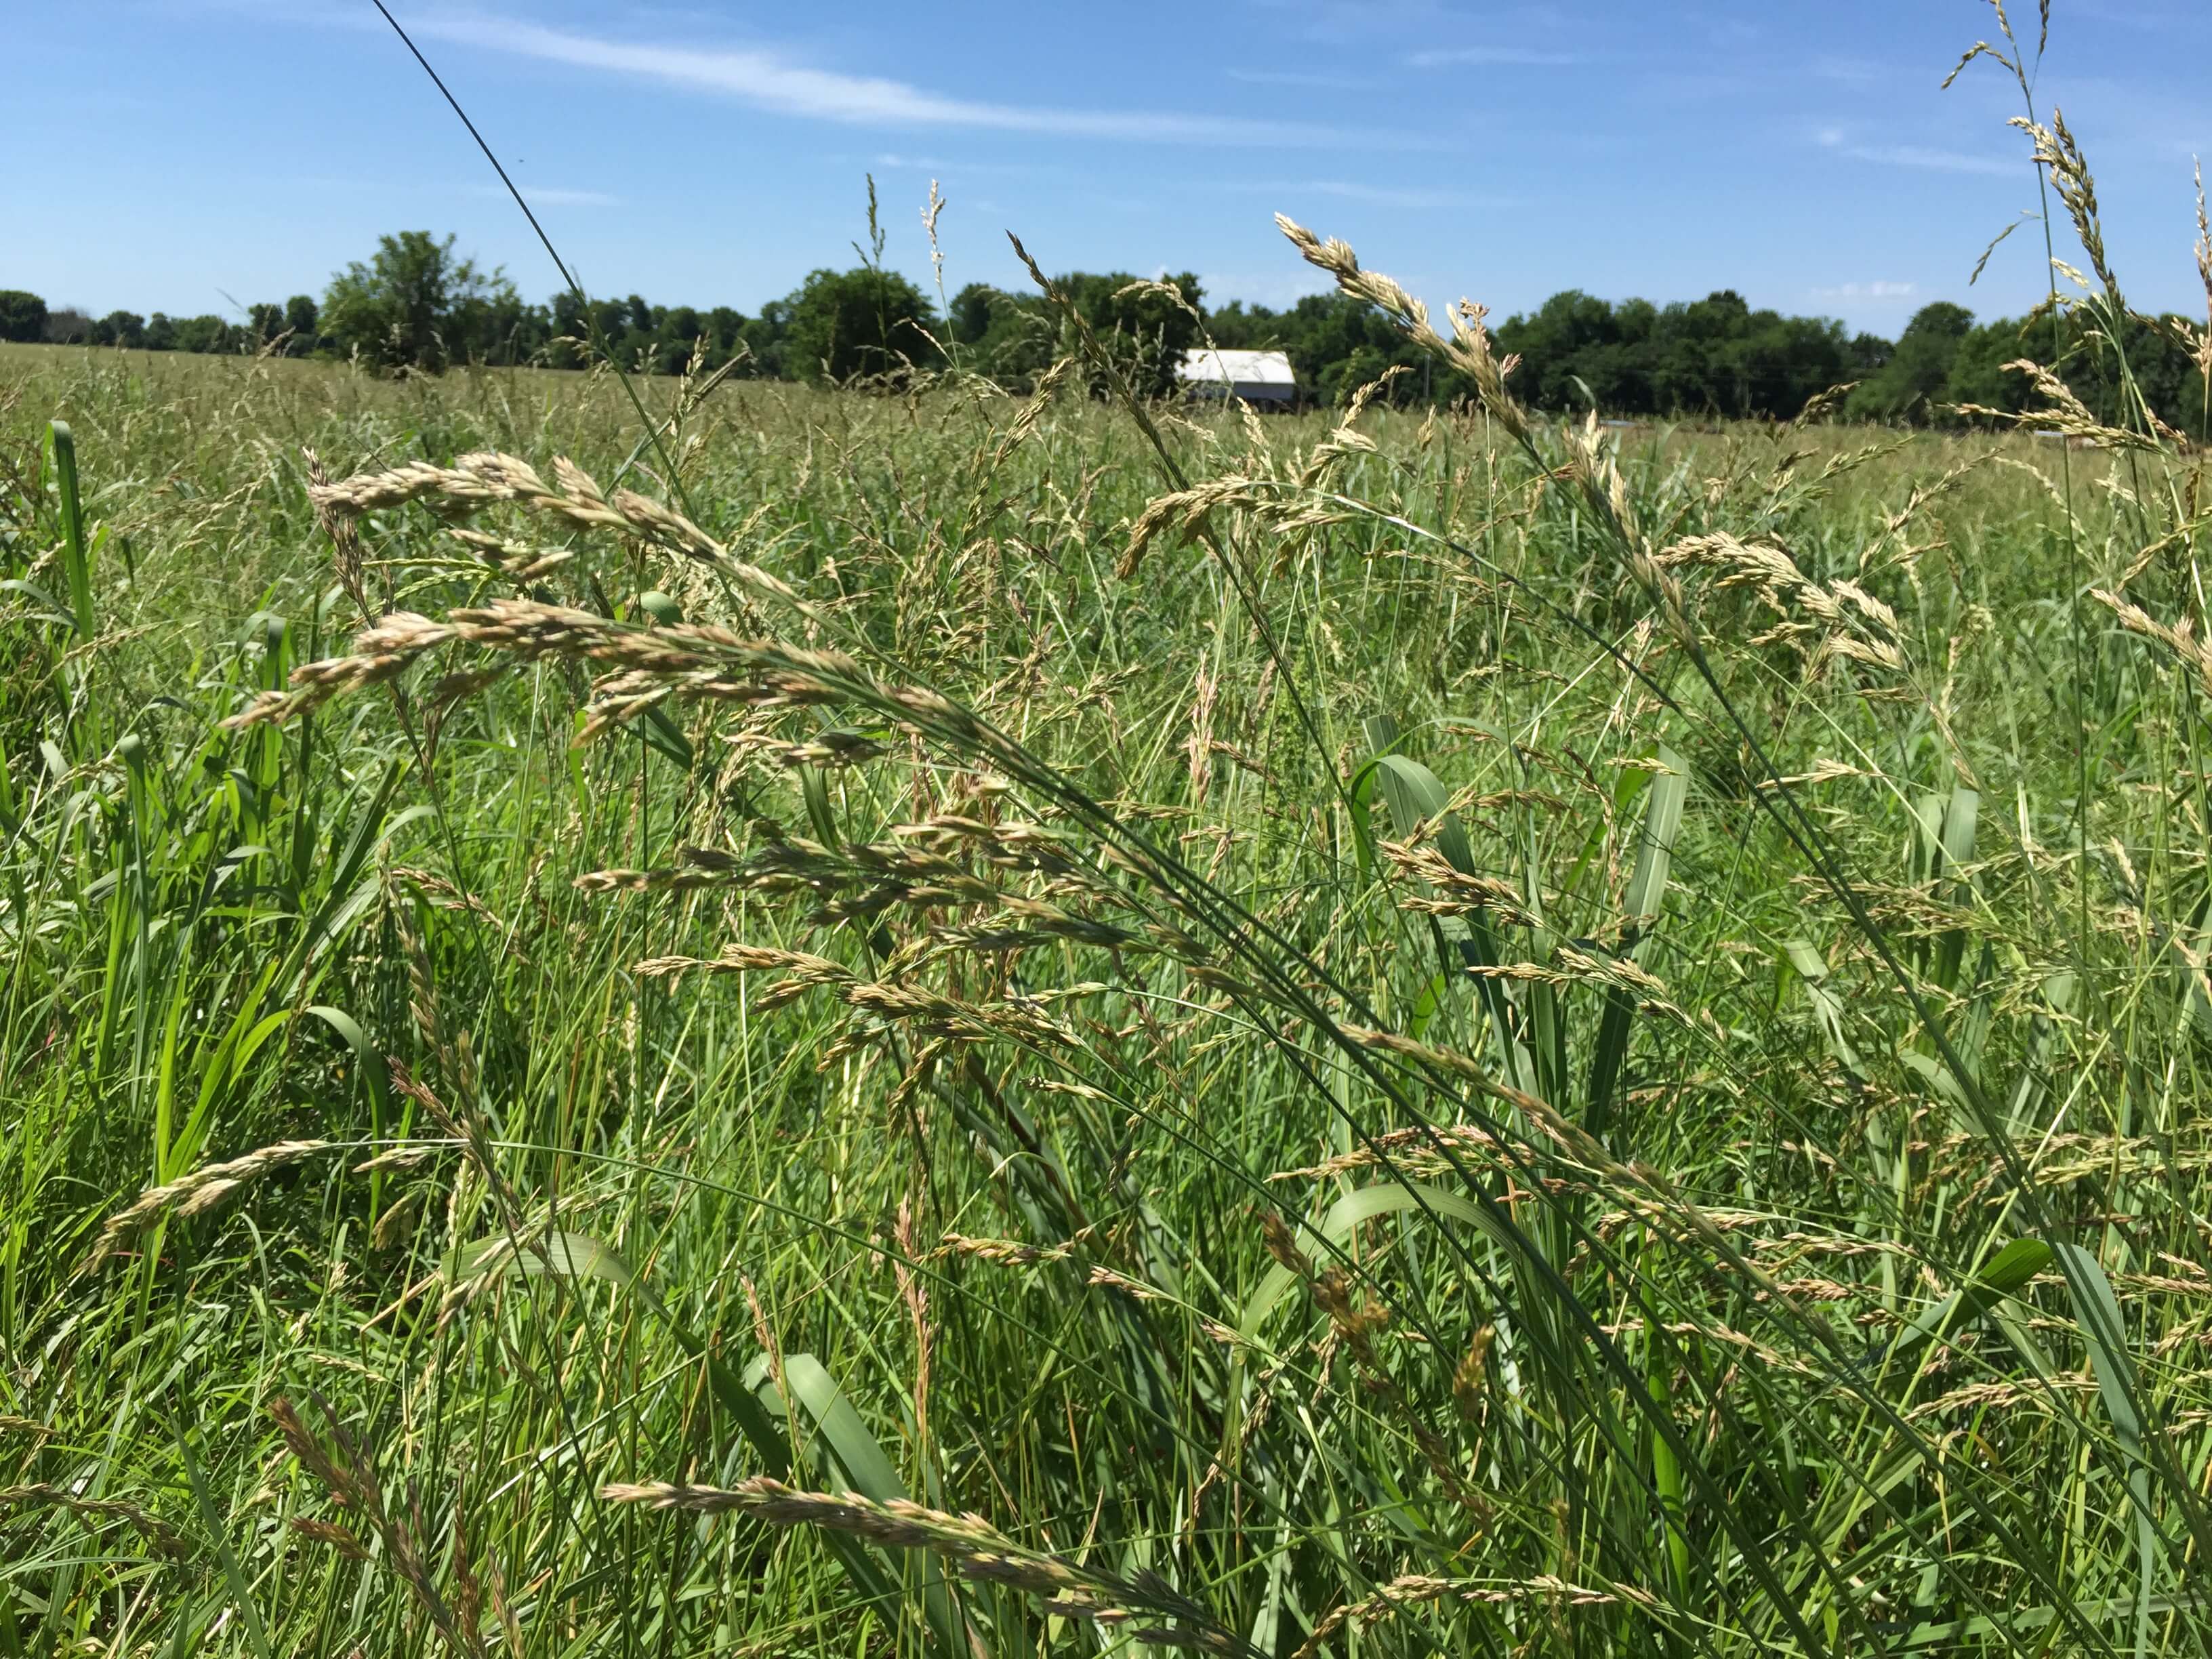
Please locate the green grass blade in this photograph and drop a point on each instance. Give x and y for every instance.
(1646, 896)
(76, 554)
(2104, 1331)
(241, 1592)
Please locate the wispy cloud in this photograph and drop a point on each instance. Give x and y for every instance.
(1278, 289)
(1852, 71)
(945, 168)
(1352, 22)
(1390, 195)
(550, 196)
(1915, 155)
(2138, 15)
(1309, 80)
(1941, 161)
(1877, 289)
(770, 80)
(1520, 57)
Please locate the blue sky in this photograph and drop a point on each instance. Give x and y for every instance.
(168, 153)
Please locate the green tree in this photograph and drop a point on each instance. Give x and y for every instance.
(569, 332)
(1787, 361)
(300, 314)
(678, 338)
(23, 316)
(1239, 327)
(968, 318)
(2148, 363)
(415, 305)
(1912, 383)
(1978, 374)
(725, 327)
(1572, 354)
(209, 333)
(496, 327)
(765, 338)
(1009, 338)
(120, 328)
(2144, 363)
(1715, 355)
(609, 321)
(1338, 344)
(160, 332)
(1865, 355)
(1145, 331)
(1696, 357)
(865, 321)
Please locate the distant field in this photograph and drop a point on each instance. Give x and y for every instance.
(1352, 1038)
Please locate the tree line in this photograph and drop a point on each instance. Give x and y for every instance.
(415, 305)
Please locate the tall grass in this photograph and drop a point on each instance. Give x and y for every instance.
(1047, 1026)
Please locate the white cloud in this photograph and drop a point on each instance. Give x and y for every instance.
(1352, 22)
(1877, 289)
(1307, 80)
(1852, 71)
(1520, 57)
(1391, 196)
(767, 79)
(1916, 156)
(548, 196)
(1276, 289)
(946, 169)
(1941, 161)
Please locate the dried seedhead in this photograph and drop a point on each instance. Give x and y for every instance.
(970, 1545)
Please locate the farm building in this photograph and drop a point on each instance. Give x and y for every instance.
(1256, 377)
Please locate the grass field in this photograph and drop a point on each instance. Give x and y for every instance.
(1274, 1036)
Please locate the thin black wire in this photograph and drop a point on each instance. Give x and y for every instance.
(583, 299)
(592, 1505)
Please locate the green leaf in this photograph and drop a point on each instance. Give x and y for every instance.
(365, 1054)
(851, 1456)
(560, 1254)
(814, 785)
(368, 830)
(1345, 1217)
(1827, 1008)
(852, 1460)
(2002, 1276)
(1415, 795)
(1957, 847)
(660, 733)
(1647, 894)
(241, 1593)
(31, 591)
(1383, 734)
(855, 1458)
(76, 556)
(1936, 1077)
(1662, 823)
(2104, 1330)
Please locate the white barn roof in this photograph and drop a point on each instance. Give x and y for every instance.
(1214, 367)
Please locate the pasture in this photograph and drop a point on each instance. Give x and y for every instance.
(1047, 1025)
